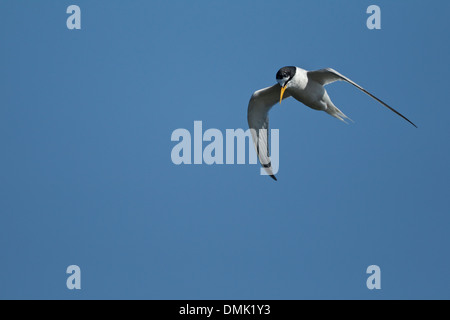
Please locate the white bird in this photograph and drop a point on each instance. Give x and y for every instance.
(306, 87)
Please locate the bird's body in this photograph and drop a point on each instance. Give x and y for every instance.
(306, 87)
(305, 91)
(312, 94)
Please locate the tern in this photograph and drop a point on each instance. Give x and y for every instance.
(306, 87)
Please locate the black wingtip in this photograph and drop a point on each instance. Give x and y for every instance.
(273, 177)
(406, 119)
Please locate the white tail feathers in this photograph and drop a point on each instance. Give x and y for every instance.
(335, 112)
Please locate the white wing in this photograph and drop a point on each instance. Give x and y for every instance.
(326, 76)
(258, 121)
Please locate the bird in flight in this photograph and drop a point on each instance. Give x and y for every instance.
(306, 87)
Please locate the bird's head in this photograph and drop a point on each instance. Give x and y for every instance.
(284, 76)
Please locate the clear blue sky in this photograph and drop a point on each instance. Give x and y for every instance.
(86, 118)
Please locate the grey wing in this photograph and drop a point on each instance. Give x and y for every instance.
(326, 76)
(258, 121)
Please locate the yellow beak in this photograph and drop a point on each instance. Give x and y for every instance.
(283, 89)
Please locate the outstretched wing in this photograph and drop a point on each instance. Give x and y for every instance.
(326, 76)
(258, 121)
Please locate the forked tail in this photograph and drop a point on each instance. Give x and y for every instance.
(335, 112)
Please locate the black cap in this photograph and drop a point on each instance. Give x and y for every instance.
(286, 72)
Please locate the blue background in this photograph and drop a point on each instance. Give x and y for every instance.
(86, 118)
